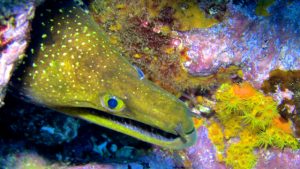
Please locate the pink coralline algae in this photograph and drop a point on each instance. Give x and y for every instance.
(203, 153)
(277, 159)
(13, 42)
(256, 44)
(281, 95)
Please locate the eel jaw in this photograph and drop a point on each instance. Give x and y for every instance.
(176, 142)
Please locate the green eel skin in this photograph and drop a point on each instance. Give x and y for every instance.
(75, 70)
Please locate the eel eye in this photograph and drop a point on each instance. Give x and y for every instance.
(140, 73)
(112, 103)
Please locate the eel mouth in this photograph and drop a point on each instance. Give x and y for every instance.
(134, 128)
(137, 126)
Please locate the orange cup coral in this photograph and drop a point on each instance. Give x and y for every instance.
(248, 115)
(244, 90)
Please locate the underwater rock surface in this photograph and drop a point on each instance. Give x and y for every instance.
(258, 44)
(202, 154)
(15, 17)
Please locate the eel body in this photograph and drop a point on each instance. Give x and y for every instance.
(71, 67)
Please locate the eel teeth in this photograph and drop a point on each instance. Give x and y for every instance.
(180, 132)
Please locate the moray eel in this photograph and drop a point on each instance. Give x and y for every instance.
(71, 67)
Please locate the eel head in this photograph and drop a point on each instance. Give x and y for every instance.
(75, 70)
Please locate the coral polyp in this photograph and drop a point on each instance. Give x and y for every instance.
(240, 156)
(249, 120)
(278, 135)
(243, 100)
